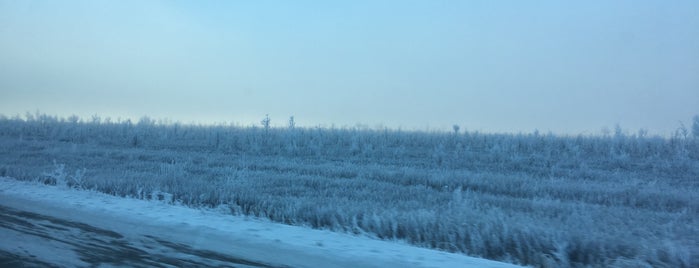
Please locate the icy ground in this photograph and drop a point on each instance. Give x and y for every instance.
(79, 220)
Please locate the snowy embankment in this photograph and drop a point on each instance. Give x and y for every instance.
(211, 230)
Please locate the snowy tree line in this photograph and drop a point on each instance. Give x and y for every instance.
(542, 200)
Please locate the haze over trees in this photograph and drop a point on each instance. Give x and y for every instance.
(535, 199)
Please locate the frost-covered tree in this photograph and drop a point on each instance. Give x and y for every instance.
(682, 131)
(265, 123)
(74, 119)
(695, 126)
(642, 133)
(618, 132)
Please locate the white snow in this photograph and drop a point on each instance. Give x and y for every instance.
(247, 237)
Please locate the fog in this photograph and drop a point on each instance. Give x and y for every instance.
(509, 66)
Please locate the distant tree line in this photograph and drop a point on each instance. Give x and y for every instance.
(533, 152)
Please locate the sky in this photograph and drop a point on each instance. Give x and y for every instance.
(569, 67)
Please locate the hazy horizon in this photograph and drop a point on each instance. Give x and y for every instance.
(490, 66)
(283, 123)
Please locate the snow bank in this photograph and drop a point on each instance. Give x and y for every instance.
(251, 238)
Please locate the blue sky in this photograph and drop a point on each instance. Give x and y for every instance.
(498, 66)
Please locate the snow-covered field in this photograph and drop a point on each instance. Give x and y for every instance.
(253, 239)
(528, 199)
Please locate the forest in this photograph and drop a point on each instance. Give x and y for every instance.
(545, 200)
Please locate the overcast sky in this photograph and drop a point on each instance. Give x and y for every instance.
(497, 66)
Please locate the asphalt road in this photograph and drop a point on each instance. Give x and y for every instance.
(90, 246)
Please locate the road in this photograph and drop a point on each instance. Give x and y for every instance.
(97, 247)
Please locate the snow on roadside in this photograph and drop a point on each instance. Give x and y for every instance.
(252, 238)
